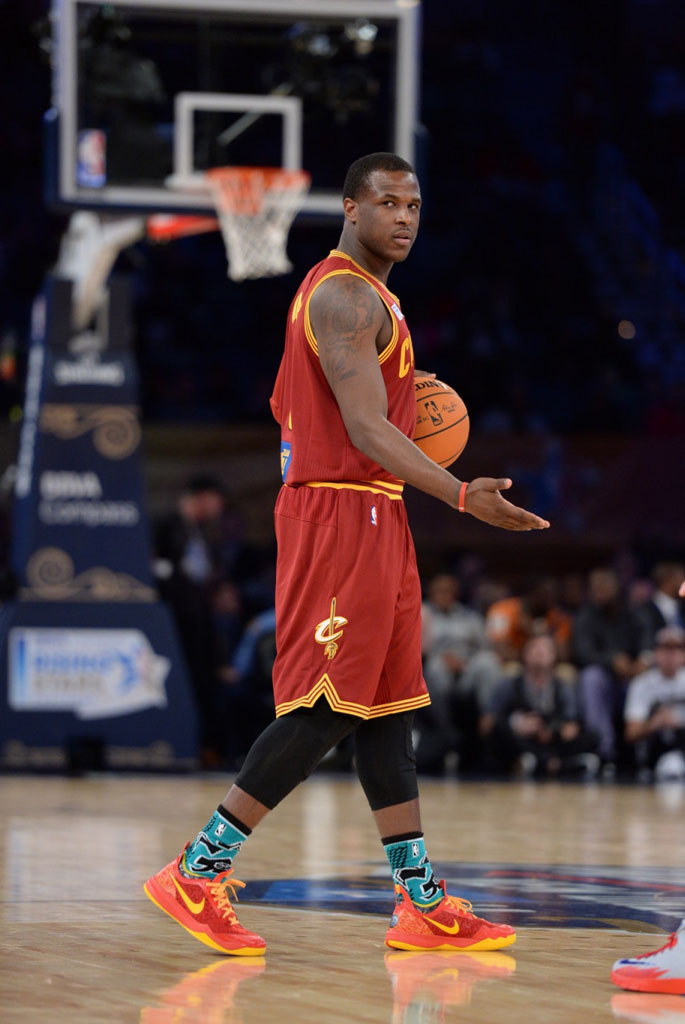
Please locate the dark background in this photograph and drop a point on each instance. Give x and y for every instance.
(551, 159)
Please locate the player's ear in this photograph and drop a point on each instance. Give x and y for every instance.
(350, 208)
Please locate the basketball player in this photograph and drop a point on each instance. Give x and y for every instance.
(662, 970)
(348, 597)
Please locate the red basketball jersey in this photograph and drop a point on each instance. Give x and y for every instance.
(315, 445)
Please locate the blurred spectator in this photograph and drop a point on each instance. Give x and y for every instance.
(459, 673)
(511, 622)
(485, 591)
(188, 542)
(247, 703)
(655, 708)
(664, 607)
(572, 593)
(640, 592)
(256, 651)
(625, 564)
(533, 722)
(188, 546)
(227, 608)
(610, 644)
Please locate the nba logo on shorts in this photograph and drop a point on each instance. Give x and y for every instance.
(374, 516)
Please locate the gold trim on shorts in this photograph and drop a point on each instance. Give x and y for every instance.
(325, 688)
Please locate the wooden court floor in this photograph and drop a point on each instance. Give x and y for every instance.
(587, 873)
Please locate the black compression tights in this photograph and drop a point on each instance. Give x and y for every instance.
(291, 747)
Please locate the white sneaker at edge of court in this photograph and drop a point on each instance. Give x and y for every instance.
(662, 970)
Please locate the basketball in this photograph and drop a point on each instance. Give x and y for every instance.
(442, 421)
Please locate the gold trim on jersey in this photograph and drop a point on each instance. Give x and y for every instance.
(392, 491)
(309, 332)
(344, 256)
(325, 688)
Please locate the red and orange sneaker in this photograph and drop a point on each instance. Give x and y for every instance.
(202, 907)
(451, 925)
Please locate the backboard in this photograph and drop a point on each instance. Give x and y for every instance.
(147, 94)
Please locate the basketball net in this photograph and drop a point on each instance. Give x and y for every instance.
(256, 207)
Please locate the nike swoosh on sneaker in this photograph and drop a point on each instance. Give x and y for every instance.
(450, 929)
(193, 907)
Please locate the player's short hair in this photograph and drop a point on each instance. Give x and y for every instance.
(359, 173)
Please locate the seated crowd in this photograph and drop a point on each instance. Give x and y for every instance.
(537, 686)
(561, 677)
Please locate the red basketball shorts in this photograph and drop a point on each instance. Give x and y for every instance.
(348, 602)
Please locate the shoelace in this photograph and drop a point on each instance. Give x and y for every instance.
(218, 890)
(667, 945)
(460, 904)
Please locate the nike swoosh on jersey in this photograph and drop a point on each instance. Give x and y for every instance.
(193, 907)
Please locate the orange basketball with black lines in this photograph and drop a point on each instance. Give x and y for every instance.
(442, 421)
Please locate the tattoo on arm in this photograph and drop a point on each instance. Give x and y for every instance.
(347, 313)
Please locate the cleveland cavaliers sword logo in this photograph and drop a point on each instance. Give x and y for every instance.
(330, 630)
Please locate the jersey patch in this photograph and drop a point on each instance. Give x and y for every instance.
(286, 456)
(397, 311)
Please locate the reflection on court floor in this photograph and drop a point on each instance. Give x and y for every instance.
(422, 986)
(643, 1008)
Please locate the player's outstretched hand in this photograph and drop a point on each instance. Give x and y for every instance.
(682, 589)
(484, 501)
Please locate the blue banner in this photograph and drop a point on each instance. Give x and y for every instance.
(106, 674)
(79, 522)
(87, 648)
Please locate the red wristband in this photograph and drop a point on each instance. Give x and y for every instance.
(462, 497)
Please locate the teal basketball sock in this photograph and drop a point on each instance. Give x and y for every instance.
(214, 848)
(412, 869)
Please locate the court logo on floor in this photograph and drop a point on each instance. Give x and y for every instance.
(558, 896)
